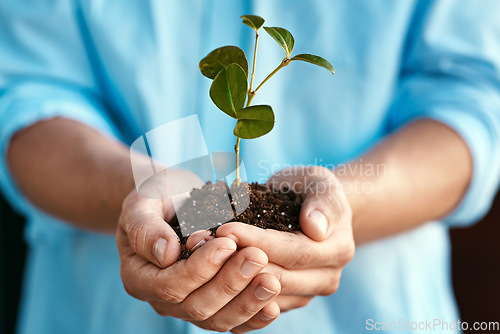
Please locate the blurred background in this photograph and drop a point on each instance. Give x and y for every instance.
(476, 268)
(475, 261)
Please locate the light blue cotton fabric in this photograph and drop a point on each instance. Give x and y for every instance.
(126, 67)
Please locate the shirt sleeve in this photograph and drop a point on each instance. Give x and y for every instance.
(451, 73)
(45, 72)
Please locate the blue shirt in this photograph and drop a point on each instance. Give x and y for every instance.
(125, 67)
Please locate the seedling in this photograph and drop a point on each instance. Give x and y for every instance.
(232, 89)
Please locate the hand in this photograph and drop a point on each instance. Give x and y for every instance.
(307, 263)
(217, 288)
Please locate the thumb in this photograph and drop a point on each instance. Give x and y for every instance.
(320, 213)
(147, 233)
(324, 201)
(313, 221)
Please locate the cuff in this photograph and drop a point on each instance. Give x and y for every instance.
(27, 104)
(481, 134)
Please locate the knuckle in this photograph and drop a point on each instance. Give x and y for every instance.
(129, 290)
(346, 253)
(323, 174)
(194, 312)
(332, 285)
(330, 289)
(222, 328)
(299, 259)
(168, 294)
(128, 283)
(302, 302)
(135, 235)
(160, 310)
(334, 205)
(228, 288)
(198, 275)
(218, 326)
(245, 311)
(248, 326)
(305, 301)
(294, 302)
(281, 278)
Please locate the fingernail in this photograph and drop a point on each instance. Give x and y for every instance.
(222, 255)
(319, 219)
(198, 232)
(198, 245)
(232, 237)
(263, 293)
(265, 317)
(249, 268)
(159, 249)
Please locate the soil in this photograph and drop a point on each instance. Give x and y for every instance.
(264, 208)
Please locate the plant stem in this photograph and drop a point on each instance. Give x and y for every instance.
(237, 152)
(253, 70)
(251, 95)
(284, 63)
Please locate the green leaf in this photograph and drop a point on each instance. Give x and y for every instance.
(283, 37)
(219, 58)
(229, 89)
(316, 60)
(253, 21)
(254, 121)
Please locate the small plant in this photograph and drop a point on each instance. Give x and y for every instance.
(232, 89)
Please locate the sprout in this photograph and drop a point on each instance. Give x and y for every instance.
(232, 88)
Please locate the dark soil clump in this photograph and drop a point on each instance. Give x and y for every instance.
(215, 204)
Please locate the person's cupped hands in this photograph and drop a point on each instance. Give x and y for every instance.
(217, 288)
(307, 263)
